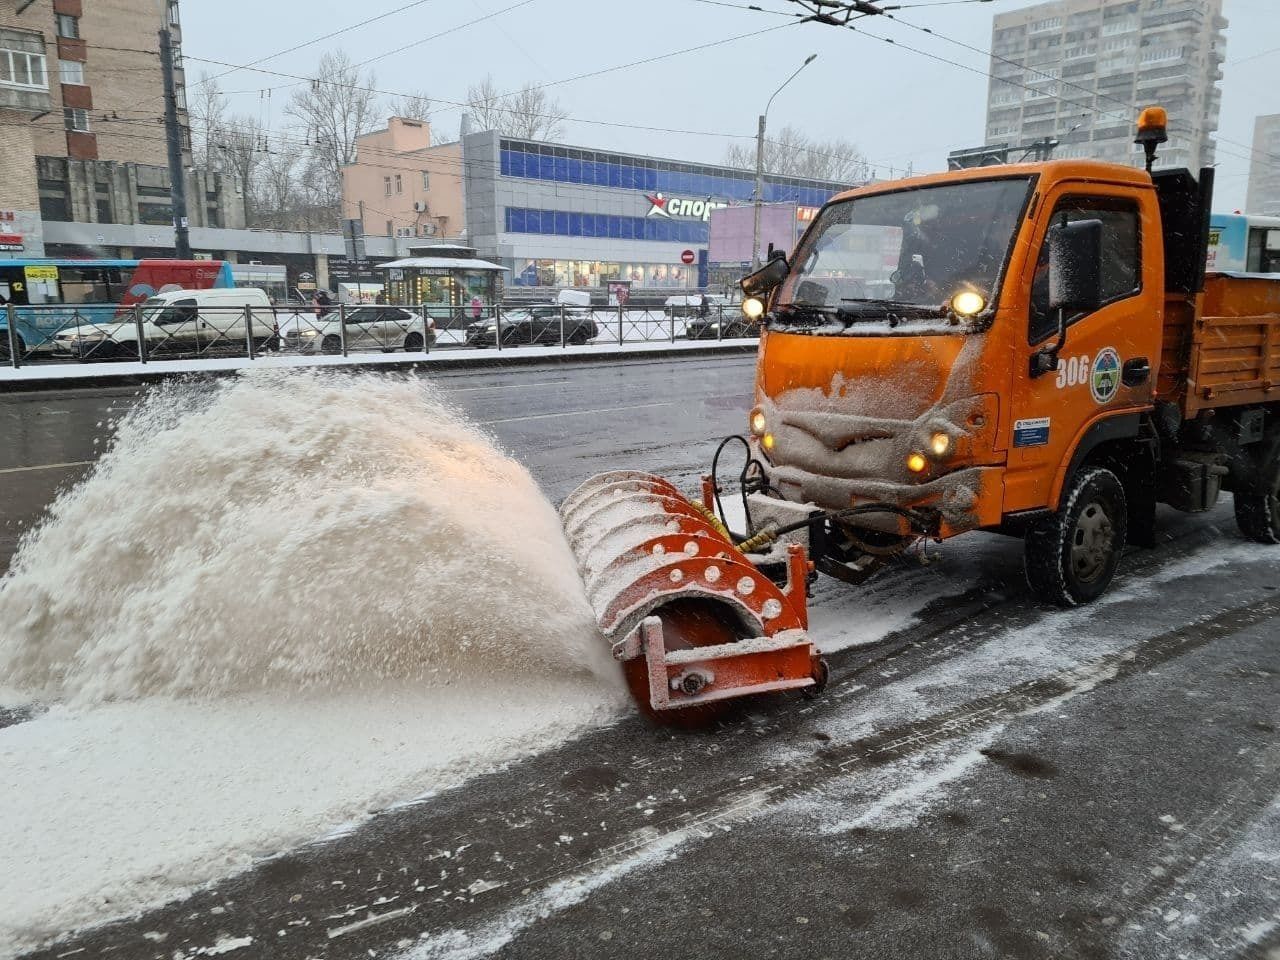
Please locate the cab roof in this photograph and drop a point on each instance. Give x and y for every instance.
(1051, 171)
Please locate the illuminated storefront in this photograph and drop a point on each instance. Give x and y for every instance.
(443, 277)
(561, 216)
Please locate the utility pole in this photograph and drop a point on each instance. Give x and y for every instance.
(173, 139)
(755, 233)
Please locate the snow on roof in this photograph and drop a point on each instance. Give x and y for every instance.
(450, 263)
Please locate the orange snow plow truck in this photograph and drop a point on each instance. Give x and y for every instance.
(1032, 349)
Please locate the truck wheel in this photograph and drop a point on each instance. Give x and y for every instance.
(1258, 514)
(1072, 555)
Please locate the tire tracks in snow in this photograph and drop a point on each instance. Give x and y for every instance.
(505, 843)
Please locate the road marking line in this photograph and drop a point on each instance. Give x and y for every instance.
(509, 386)
(47, 466)
(574, 413)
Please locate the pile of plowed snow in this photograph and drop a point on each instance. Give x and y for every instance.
(279, 599)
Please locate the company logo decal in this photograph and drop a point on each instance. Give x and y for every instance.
(682, 207)
(1105, 379)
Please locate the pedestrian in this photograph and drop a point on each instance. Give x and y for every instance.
(323, 303)
(380, 298)
(704, 307)
(477, 307)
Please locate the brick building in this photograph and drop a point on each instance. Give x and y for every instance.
(80, 99)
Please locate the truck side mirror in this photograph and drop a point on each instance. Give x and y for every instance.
(1075, 281)
(771, 275)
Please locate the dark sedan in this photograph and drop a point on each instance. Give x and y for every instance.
(540, 325)
(731, 326)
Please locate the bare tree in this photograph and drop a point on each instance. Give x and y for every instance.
(207, 109)
(530, 113)
(415, 105)
(238, 145)
(276, 194)
(789, 153)
(335, 108)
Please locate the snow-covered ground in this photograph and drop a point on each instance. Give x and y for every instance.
(280, 638)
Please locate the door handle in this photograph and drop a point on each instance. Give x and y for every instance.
(1136, 372)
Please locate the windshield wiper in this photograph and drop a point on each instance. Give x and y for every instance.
(895, 311)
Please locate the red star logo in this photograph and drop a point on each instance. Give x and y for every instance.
(658, 206)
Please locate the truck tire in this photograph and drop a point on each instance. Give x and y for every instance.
(1072, 555)
(1258, 513)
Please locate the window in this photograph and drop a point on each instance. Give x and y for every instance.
(20, 69)
(399, 184)
(70, 71)
(76, 120)
(1121, 256)
(173, 13)
(68, 27)
(386, 186)
(390, 229)
(426, 180)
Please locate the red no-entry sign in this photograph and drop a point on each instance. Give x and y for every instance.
(688, 256)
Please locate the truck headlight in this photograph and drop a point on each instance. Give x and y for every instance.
(758, 422)
(753, 308)
(940, 444)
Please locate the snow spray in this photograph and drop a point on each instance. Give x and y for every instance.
(290, 529)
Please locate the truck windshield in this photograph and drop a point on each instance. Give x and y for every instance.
(900, 257)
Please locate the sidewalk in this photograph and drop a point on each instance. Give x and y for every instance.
(53, 375)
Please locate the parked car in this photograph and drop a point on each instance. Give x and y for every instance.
(178, 323)
(538, 324)
(735, 326)
(367, 328)
(690, 305)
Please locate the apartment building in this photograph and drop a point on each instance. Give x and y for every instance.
(1264, 168)
(81, 97)
(1075, 70)
(403, 186)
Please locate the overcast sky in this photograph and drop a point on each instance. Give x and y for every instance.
(897, 106)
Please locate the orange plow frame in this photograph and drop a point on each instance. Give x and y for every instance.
(643, 550)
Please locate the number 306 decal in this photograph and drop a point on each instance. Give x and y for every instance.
(1073, 371)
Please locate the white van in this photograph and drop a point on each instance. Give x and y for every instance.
(180, 323)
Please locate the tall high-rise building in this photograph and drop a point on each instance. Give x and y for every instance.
(1074, 70)
(1264, 167)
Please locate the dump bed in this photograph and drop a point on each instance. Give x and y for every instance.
(1230, 355)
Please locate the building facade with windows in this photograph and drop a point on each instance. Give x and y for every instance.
(564, 216)
(81, 97)
(1075, 70)
(1264, 168)
(401, 185)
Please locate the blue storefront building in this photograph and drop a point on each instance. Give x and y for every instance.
(564, 216)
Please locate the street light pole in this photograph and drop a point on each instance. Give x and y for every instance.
(173, 142)
(755, 233)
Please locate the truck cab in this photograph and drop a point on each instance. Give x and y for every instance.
(1012, 349)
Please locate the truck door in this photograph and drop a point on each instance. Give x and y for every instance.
(1099, 371)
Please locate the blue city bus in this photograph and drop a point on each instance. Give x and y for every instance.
(1244, 243)
(50, 295)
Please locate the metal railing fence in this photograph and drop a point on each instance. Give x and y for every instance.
(187, 329)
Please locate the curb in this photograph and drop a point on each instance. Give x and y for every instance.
(439, 360)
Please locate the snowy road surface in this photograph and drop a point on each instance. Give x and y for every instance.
(982, 778)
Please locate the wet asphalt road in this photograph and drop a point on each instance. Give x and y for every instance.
(991, 780)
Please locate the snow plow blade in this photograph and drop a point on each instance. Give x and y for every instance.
(693, 621)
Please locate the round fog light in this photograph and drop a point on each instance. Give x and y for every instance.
(940, 444)
(916, 463)
(767, 441)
